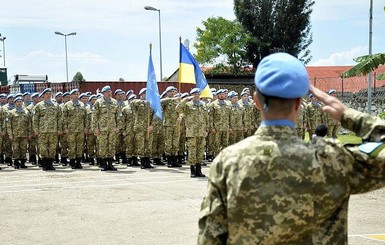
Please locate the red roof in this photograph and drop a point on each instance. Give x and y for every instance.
(333, 71)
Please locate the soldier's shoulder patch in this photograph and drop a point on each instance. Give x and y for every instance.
(371, 148)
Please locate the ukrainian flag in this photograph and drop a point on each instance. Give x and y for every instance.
(190, 72)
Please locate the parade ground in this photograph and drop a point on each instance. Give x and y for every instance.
(130, 206)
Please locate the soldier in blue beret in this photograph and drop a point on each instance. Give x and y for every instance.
(308, 185)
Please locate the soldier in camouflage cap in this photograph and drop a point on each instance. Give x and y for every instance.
(273, 188)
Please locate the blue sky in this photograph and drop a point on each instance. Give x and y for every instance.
(113, 36)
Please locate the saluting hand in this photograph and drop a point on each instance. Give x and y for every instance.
(332, 106)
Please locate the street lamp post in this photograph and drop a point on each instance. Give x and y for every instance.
(370, 52)
(65, 43)
(160, 38)
(2, 39)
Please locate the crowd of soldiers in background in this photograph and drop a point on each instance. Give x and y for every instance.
(72, 128)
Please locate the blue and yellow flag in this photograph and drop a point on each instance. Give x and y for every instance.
(190, 72)
(152, 93)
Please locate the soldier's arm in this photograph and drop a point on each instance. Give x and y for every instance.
(213, 228)
(8, 125)
(35, 119)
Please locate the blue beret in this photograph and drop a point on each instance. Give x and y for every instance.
(34, 95)
(214, 93)
(332, 91)
(119, 91)
(129, 92)
(213, 90)
(75, 90)
(3, 95)
(18, 98)
(99, 96)
(195, 90)
(106, 89)
(66, 94)
(163, 94)
(311, 96)
(184, 95)
(226, 90)
(232, 94)
(47, 90)
(243, 93)
(18, 94)
(170, 88)
(282, 75)
(26, 93)
(82, 95)
(220, 91)
(132, 96)
(59, 94)
(88, 93)
(10, 96)
(177, 95)
(92, 97)
(142, 91)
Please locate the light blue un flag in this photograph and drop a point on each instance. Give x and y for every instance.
(152, 93)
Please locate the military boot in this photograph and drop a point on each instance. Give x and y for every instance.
(64, 161)
(169, 162)
(43, 164)
(192, 171)
(148, 162)
(124, 158)
(110, 166)
(1, 157)
(79, 163)
(174, 162)
(92, 161)
(73, 163)
(180, 159)
(8, 161)
(50, 164)
(103, 164)
(129, 161)
(32, 159)
(16, 164)
(135, 162)
(157, 161)
(198, 172)
(22, 163)
(142, 163)
(57, 158)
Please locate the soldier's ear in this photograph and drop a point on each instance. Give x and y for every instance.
(256, 102)
(297, 104)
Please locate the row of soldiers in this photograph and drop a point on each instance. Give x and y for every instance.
(311, 116)
(84, 127)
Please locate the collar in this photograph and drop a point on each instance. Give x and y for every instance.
(279, 122)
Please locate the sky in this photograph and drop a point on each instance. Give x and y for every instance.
(113, 36)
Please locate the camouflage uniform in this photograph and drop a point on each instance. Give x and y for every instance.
(197, 122)
(62, 141)
(129, 134)
(47, 123)
(7, 142)
(313, 117)
(19, 128)
(181, 129)
(171, 137)
(333, 127)
(273, 188)
(32, 145)
(120, 147)
(301, 121)
(219, 120)
(157, 140)
(91, 138)
(106, 119)
(3, 118)
(249, 118)
(236, 124)
(74, 125)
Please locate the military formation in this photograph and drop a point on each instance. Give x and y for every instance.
(118, 127)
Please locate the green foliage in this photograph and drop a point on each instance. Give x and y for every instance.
(276, 25)
(78, 77)
(366, 64)
(222, 43)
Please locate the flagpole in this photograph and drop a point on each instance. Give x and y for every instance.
(148, 107)
(179, 85)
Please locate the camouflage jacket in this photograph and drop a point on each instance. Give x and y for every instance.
(46, 118)
(196, 118)
(313, 115)
(127, 119)
(140, 110)
(106, 115)
(273, 188)
(219, 115)
(3, 117)
(74, 117)
(237, 116)
(169, 111)
(19, 123)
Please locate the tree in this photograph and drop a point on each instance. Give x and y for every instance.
(121, 79)
(276, 25)
(222, 43)
(366, 64)
(78, 77)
